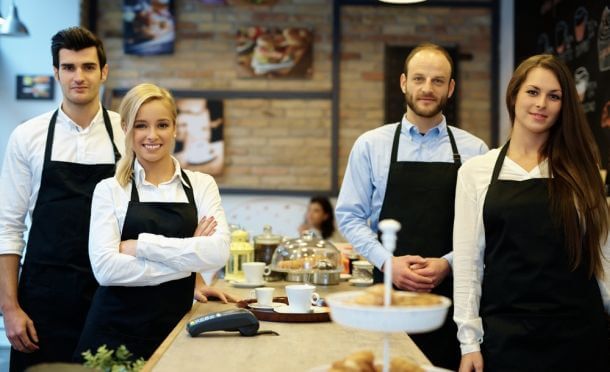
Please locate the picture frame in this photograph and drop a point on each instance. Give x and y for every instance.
(149, 27)
(274, 52)
(200, 134)
(35, 87)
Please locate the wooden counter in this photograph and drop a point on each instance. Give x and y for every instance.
(299, 347)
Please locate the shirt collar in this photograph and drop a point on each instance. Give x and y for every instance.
(413, 131)
(98, 118)
(140, 173)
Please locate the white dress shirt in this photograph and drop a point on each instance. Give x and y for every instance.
(364, 184)
(24, 158)
(158, 258)
(469, 242)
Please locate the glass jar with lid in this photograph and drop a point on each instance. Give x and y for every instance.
(265, 245)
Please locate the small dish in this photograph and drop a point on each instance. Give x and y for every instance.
(288, 310)
(258, 306)
(345, 276)
(247, 284)
(361, 282)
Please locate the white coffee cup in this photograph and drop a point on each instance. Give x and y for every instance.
(362, 270)
(263, 295)
(301, 297)
(254, 271)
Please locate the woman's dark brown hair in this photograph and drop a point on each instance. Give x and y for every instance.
(327, 228)
(578, 201)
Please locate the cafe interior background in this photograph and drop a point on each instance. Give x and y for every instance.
(286, 135)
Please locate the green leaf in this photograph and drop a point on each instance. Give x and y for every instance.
(112, 361)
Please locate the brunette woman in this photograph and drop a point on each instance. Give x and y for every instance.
(530, 236)
(320, 219)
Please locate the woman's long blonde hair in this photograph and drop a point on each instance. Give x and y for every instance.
(133, 100)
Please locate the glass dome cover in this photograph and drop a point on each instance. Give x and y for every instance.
(306, 254)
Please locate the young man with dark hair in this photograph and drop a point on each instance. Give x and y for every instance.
(51, 166)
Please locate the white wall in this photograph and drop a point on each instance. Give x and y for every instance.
(30, 55)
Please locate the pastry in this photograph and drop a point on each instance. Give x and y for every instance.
(374, 296)
(363, 361)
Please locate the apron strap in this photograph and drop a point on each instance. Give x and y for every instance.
(394, 156)
(499, 163)
(50, 135)
(188, 190)
(135, 198)
(457, 159)
(108, 125)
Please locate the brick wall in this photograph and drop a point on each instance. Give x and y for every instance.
(285, 144)
(367, 30)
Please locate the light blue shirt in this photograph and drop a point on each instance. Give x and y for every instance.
(366, 177)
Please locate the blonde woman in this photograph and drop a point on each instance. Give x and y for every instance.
(150, 233)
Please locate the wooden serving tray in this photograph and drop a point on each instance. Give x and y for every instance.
(272, 316)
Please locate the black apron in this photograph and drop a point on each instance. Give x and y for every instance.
(538, 314)
(421, 196)
(56, 283)
(142, 317)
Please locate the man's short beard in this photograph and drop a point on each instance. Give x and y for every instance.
(426, 114)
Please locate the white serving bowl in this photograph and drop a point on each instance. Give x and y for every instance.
(410, 319)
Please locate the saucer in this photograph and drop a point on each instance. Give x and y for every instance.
(258, 306)
(313, 310)
(247, 284)
(361, 282)
(345, 276)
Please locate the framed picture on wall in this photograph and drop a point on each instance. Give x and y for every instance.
(148, 27)
(264, 52)
(199, 137)
(35, 87)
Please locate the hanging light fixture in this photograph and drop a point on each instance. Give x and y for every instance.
(2, 20)
(12, 25)
(402, 1)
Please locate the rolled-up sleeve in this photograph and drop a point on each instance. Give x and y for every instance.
(16, 181)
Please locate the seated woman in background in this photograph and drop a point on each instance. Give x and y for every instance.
(154, 225)
(320, 219)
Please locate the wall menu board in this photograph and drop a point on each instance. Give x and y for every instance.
(579, 33)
